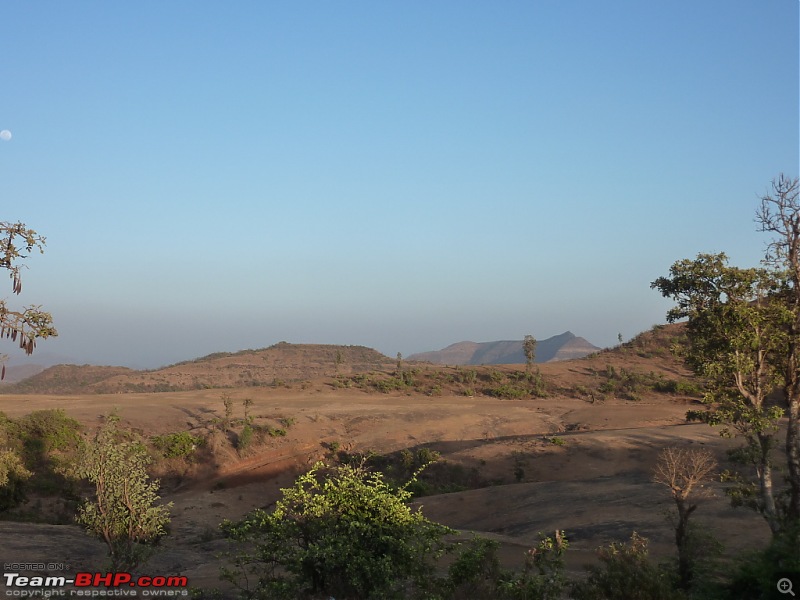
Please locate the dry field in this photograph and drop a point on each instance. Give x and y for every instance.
(577, 460)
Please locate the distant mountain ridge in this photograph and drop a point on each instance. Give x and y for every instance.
(565, 346)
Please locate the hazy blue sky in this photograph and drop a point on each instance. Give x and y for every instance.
(225, 175)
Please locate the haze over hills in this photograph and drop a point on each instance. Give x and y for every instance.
(565, 346)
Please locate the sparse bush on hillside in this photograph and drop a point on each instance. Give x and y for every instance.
(247, 403)
(245, 438)
(476, 572)
(45, 431)
(515, 385)
(469, 376)
(628, 384)
(625, 571)
(754, 574)
(227, 403)
(123, 511)
(47, 442)
(508, 391)
(13, 476)
(678, 387)
(177, 445)
(344, 533)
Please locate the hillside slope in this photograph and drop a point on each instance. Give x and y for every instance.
(275, 365)
(565, 346)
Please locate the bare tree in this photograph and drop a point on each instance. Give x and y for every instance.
(684, 471)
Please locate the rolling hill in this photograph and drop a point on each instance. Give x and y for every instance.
(275, 365)
(566, 346)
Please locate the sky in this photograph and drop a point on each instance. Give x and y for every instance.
(217, 176)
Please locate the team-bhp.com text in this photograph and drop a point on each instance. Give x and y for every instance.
(94, 585)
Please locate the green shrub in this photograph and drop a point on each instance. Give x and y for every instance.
(755, 574)
(47, 441)
(13, 476)
(44, 431)
(542, 577)
(344, 532)
(176, 445)
(683, 388)
(625, 572)
(245, 438)
(469, 376)
(123, 510)
(426, 456)
(509, 391)
(476, 572)
(407, 459)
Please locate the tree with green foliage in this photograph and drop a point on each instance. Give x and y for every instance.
(736, 334)
(29, 324)
(123, 512)
(343, 532)
(744, 336)
(779, 215)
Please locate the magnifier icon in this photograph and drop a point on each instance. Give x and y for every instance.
(785, 586)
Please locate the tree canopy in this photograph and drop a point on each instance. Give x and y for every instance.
(30, 323)
(744, 339)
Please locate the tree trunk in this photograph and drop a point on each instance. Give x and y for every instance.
(793, 458)
(765, 485)
(685, 558)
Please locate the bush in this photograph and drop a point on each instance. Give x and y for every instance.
(46, 441)
(756, 573)
(245, 438)
(625, 572)
(341, 532)
(476, 573)
(123, 512)
(509, 391)
(177, 445)
(44, 431)
(469, 376)
(13, 476)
